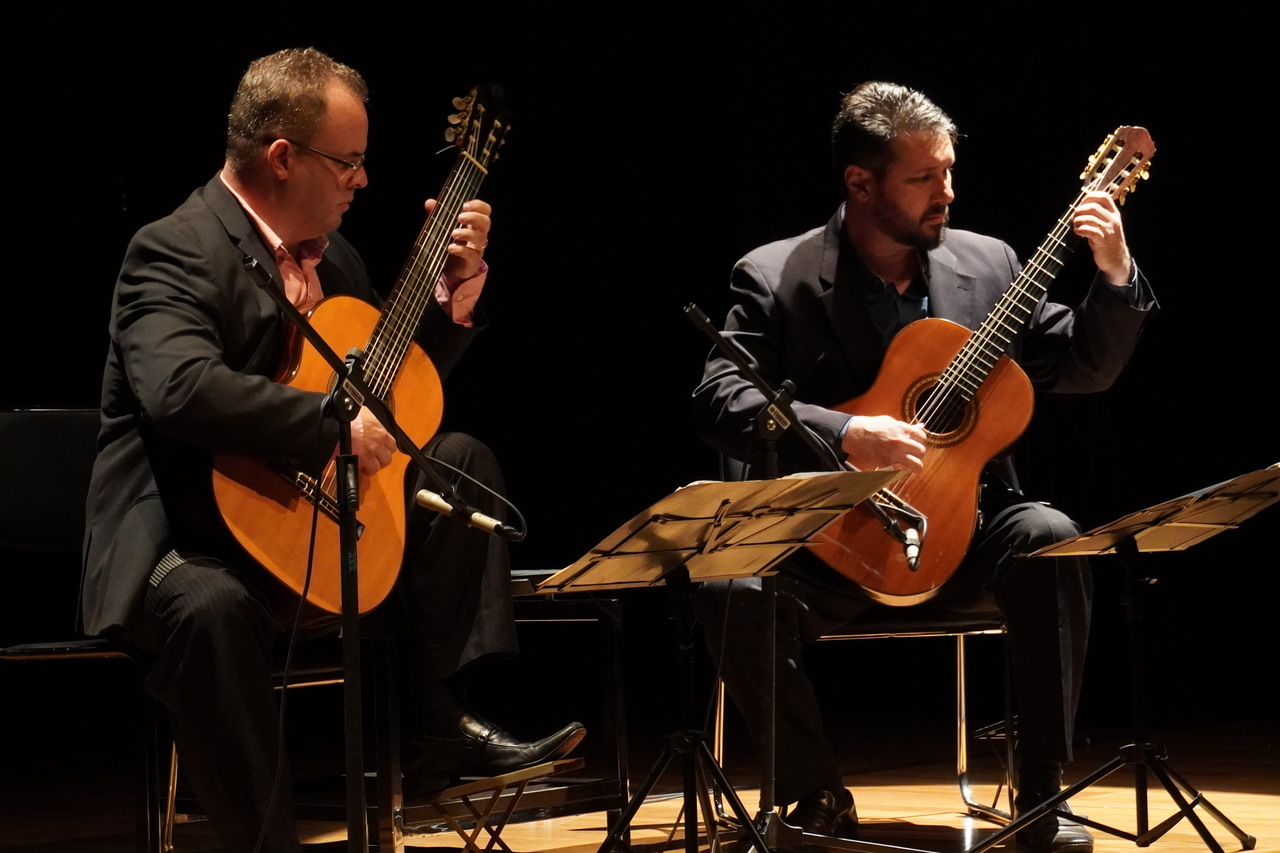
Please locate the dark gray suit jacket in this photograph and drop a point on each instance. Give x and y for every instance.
(194, 343)
(800, 315)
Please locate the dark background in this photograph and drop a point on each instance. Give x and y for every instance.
(651, 147)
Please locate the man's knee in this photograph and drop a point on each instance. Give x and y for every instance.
(206, 600)
(469, 462)
(461, 450)
(1031, 526)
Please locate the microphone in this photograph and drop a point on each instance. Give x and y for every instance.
(478, 520)
(901, 521)
(911, 545)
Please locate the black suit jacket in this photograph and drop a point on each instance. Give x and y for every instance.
(801, 315)
(194, 343)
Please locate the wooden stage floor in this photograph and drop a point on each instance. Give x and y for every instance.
(904, 788)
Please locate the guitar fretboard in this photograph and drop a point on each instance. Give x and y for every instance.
(962, 378)
(395, 330)
(958, 384)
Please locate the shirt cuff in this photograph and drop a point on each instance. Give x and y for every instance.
(458, 297)
(1135, 291)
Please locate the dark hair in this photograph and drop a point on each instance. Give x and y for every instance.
(872, 115)
(283, 95)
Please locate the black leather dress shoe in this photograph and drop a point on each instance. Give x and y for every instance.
(1050, 833)
(826, 812)
(431, 762)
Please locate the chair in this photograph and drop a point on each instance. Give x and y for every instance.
(45, 476)
(885, 622)
(43, 483)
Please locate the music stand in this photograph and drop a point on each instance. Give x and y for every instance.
(1170, 526)
(707, 531)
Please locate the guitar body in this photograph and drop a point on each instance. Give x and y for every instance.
(946, 491)
(271, 516)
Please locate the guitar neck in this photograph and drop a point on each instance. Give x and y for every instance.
(1123, 157)
(975, 360)
(387, 346)
(414, 289)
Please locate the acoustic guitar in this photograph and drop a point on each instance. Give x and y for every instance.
(269, 509)
(973, 402)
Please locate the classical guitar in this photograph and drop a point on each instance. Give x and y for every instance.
(269, 509)
(973, 402)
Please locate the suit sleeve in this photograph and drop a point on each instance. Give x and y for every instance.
(726, 403)
(197, 340)
(1084, 350)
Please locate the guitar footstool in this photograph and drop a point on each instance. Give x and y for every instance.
(490, 802)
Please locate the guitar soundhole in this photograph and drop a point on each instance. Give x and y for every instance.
(948, 418)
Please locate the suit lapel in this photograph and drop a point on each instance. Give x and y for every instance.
(240, 229)
(952, 291)
(256, 353)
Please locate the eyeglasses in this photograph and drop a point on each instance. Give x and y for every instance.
(355, 167)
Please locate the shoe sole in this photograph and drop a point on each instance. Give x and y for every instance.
(569, 744)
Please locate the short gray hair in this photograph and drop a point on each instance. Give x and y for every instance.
(283, 95)
(872, 115)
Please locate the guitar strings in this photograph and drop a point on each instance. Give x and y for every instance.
(394, 330)
(391, 337)
(983, 349)
(960, 381)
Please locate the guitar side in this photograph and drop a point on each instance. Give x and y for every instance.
(946, 490)
(270, 516)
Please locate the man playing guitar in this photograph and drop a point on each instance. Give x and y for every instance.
(821, 310)
(194, 347)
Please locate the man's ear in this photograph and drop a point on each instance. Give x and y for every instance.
(858, 182)
(280, 159)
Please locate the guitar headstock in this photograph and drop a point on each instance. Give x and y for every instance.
(1123, 157)
(480, 124)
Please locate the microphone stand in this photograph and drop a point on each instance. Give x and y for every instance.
(343, 405)
(770, 422)
(774, 418)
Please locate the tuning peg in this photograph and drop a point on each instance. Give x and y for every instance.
(462, 104)
(1132, 188)
(450, 134)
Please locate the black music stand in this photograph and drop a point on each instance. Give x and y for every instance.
(1171, 526)
(702, 532)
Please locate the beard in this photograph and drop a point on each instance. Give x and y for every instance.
(894, 223)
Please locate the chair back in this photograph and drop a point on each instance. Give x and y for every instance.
(48, 456)
(44, 479)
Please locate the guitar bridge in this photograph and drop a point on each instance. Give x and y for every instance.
(310, 489)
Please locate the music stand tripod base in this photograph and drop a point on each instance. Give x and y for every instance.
(711, 531)
(1171, 526)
